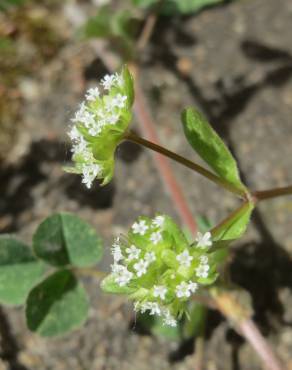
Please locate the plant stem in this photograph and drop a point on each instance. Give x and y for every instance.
(240, 316)
(148, 28)
(185, 162)
(249, 330)
(164, 169)
(272, 193)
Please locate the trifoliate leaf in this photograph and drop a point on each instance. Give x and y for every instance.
(57, 305)
(64, 239)
(19, 271)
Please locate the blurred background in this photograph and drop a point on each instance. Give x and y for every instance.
(232, 60)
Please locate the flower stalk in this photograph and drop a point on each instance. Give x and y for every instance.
(185, 162)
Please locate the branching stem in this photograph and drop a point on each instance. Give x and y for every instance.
(272, 193)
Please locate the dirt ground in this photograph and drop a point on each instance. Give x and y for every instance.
(234, 63)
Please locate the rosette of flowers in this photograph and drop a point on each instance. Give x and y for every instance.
(156, 266)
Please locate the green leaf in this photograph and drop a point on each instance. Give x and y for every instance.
(119, 27)
(173, 7)
(235, 226)
(57, 305)
(161, 330)
(6, 4)
(99, 25)
(194, 325)
(144, 3)
(109, 285)
(63, 239)
(19, 271)
(205, 141)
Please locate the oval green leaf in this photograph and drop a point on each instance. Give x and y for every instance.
(63, 239)
(210, 147)
(57, 305)
(19, 271)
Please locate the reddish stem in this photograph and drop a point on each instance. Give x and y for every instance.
(254, 337)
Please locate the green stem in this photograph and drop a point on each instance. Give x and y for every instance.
(272, 193)
(185, 162)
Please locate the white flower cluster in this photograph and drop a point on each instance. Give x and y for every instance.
(132, 254)
(94, 115)
(140, 255)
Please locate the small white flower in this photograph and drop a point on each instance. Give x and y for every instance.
(204, 240)
(141, 267)
(133, 252)
(153, 307)
(117, 242)
(92, 94)
(117, 253)
(204, 260)
(74, 134)
(140, 227)
(94, 130)
(149, 257)
(112, 119)
(156, 237)
(119, 101)
(169, 319)
(119, 79)
(123, 276)
(184, 258)
(80, 147)
(159, 291)
(83, 116)
(183, 290)
(108, 81)
(193, 286)
(90, 171)
(117, 268)
(202, 271)
(80, 113)
(158, 221)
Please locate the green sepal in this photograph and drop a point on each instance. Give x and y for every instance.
(169, 258)
(129, 86)
(109, 285)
